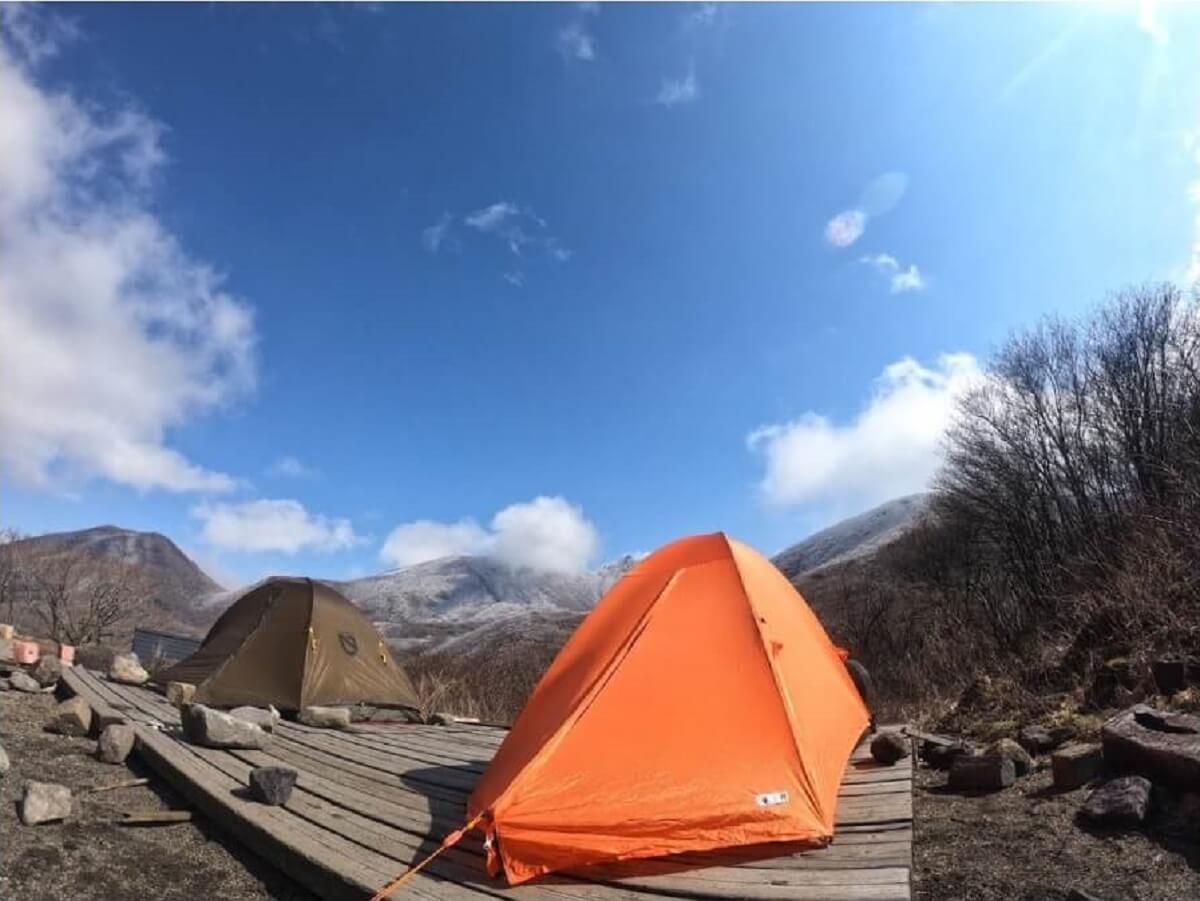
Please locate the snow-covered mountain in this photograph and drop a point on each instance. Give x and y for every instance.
(852, 538)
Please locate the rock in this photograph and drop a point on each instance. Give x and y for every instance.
(127, 669)
(982, 772)
(1076, 765)
(4, 764)
(272, 784)
(264, 719)
(45, 802)
(1006, 747)
(361, 713)
(115, 744)
(5, 685)
(1163, 746)
(1119, 802)
(888, 747)
(47, 671)
(180, 693)
(101, 720)
(72, 717)
(1114, 674)
(1170, 675)
(325, 717)
(1036, 740)
(214, 729)
(942, 757)
(22, 681)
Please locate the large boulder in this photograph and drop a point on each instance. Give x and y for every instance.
(1120, 803)
(47, 671)
(1076, 765)
(22, 681)
(1006, 747)
(272, 784)
(215, 729)
(180, 693)
(45, 802)
(115, 744)
(128, 670)
(325, 717)
(1170, 676)
(889, 747)
(982, 772)
(1163, 746)
(72, 717)
(261, 717)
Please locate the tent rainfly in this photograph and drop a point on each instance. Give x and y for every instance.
(293, 643)
(701, 705)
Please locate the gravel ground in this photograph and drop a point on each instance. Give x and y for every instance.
(87, 858)
(1023, 844)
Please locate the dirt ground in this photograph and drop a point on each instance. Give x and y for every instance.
(1023, 844)
(87, 858)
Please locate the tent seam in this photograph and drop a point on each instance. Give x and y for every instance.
(781, 688)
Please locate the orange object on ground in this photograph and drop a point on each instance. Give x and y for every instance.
(26, 651)
(700, 705)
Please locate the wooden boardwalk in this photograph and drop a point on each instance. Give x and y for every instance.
(371, 801)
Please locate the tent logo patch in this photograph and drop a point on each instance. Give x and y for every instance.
(771, 799)
(349, 643)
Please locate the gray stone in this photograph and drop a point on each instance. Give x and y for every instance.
(272, 784)
(4, 764)
(180, 693)
(127, 669)
(1006, 747)
(325, 717)
(264, 719)
(214, 729)
(22, 681)
(45, 802)
(982, 772)
(72, 717)
(888, 747)
(361, 713)
(942, 756)
(1163, 746)
(1120, 803)
(1076, 765)
(1036, 740)
(5, 685)
(47, 671)
(115, 744)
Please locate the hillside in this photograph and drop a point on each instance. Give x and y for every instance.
(851, 539)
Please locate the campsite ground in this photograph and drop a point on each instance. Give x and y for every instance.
(1023, 844)
(89, 858)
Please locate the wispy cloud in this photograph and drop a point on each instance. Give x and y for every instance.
(515, 277)
(574, 41)
(703, 17)
(440, 235)
(878, 196)
(900, 278)
(675, 91)
(290, 467)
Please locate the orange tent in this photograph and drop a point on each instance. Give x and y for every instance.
(700, 705)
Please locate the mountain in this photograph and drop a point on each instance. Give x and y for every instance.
(853, 538)
(442, 603)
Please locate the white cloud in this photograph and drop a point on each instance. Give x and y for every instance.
(272, 525)
(37, 36)
(521, 230)
(899, 278)
(440, 234)
(675, 91)
(893, 446)
(574, 41)
(492, 218)
(112, 334)
(702, 17)
(544, 533)
(516, 278)
(291, 468)
(845, 228)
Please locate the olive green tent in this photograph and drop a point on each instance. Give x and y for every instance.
(293, 643)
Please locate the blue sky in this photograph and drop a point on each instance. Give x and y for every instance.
(338, 288)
